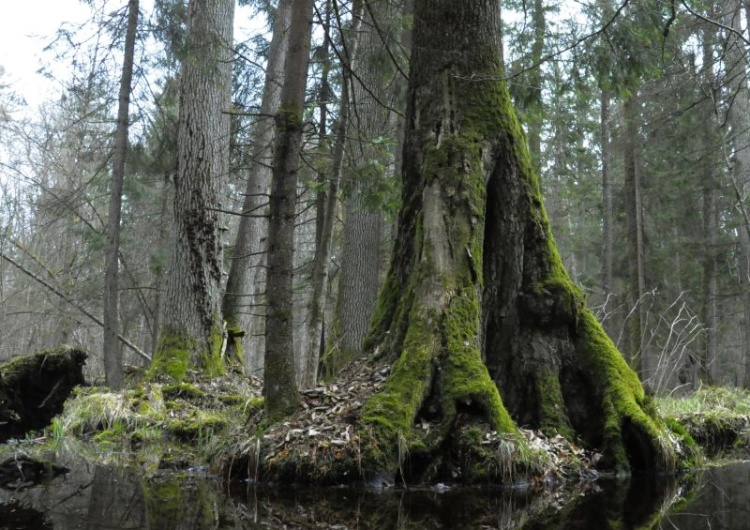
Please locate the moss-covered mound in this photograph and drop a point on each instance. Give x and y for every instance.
(717, 418)
(34, 388)
(170, 424)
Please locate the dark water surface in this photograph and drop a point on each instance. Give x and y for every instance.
(102, 497)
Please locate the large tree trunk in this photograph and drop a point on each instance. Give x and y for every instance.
(475, 266)
(112, 349)
(280, 389)
(243, 300)
(191, 334)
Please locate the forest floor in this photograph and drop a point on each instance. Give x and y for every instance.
(216, 425)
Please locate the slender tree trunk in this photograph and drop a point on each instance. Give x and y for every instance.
(324, 97)
(112, 350)
(363, 232)
(242, 305)
(535, 105)
(738, 138)
(710, 287)
(634, 210)
(280, 388)
(191, 334)
(325, 235)
(607, 212)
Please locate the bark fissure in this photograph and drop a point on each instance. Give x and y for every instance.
(507, 298)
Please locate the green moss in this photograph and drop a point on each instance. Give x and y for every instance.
(172, 357)
(164, 500)
(235, 333)
(465, 377)
(624, 403)
(385, 311)
(182, 390)
(111, 438)
(177, 353)
(391, 413)
(232, 399)
(690, 453)
(211, 362)
(197, 425)
(553, 419)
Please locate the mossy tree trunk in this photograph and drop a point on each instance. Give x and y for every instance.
(191, 334)
(476, 276)
(428, 315)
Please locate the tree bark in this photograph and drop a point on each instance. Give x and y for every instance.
(112, 350)
(191, 334)
(738, 137)
(607, 215)
(242, 305)
(280, 388)
(476, 273)
(535, 106)
(377, 88)
(710, 283)
(325, 234)
(634, 210)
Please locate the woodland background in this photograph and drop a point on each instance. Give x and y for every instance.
(637, 115)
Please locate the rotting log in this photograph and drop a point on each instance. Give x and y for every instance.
(34, 388)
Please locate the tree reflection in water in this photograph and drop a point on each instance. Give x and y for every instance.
(96, 497)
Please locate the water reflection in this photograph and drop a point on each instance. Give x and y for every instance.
(721, 501)
(101, 497)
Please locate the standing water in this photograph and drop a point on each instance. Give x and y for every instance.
(102, 497)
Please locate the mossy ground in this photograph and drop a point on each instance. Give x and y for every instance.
(219, 420)
(163, 425)
(717, 418)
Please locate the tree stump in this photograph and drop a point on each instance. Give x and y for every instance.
(34, 388)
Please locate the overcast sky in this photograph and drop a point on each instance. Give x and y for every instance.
(26, 26)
